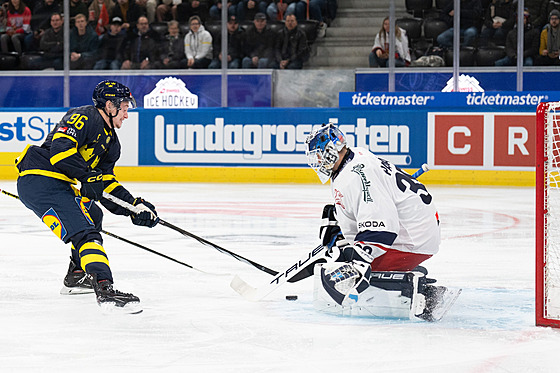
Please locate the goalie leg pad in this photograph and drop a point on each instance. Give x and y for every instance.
(388, 294)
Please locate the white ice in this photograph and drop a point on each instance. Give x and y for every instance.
(194, 322)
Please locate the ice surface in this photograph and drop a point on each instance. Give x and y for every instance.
(194, 322)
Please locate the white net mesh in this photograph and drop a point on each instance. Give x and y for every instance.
(552, 213)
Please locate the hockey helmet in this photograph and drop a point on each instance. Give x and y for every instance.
(322, 148)
(115, 92)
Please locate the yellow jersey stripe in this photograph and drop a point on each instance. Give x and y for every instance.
(60, 156)
(54, 175)
(59, 135)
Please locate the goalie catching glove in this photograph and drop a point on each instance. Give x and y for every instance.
(147, 217)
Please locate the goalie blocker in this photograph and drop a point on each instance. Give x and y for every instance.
(351, 289)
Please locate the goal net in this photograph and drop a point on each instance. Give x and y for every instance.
(548, 215)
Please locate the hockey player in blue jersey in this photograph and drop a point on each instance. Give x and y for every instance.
(83, 147)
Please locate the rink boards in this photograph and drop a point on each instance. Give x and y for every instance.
(267, 144)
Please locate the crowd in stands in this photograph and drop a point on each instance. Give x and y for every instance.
(162, 34)
(488, 34)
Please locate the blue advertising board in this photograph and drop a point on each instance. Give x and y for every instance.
(486, 101)
(273, 137)
(411, 80)
(244, 90)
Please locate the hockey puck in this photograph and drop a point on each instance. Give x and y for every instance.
(291, 297)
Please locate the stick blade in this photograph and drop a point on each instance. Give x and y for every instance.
(244, 289)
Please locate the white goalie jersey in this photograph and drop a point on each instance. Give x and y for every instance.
(379, 205)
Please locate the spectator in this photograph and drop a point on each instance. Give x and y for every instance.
(235, 46)
(84, 43)
(291, 45)
(318, 12)
(173, 49)
(538, 11)
(110, 47)
(166, 10)
(77, 7)
(216, 9)
(259, 45)
(380, 51)
(142, 47)
(52, 44)
(246, 9)
(530, 44)
(129, 11)
(151, 6)
(550, 41)
(40, 21)
(18, 25)
(3, 18)
(190, 8)
(99, 11)
(198, 45)
(471, 13)
(499, 19)
(279, 9)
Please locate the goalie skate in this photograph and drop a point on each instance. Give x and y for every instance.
(439, 300)
(76, 281)
(114, 301)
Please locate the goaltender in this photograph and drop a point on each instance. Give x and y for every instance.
(84, 147)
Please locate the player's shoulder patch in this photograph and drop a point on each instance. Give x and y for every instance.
(67, 130)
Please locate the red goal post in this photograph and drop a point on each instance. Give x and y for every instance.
(547, 235)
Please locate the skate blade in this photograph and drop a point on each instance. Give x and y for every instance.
(131, 308)
(75, 290)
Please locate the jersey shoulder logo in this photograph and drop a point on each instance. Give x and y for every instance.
(338, 199)
(358, 169)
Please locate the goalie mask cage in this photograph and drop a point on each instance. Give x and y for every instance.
(547, 167)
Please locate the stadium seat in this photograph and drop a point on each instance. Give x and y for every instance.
(184, 28)
(159, 27)
(433, 27)
(310, 27)
(214, 28)
(486, 56)
(412, 26)
(418, 8)
(9, 61)
(276, 26)
(32, 61)
(466, 56)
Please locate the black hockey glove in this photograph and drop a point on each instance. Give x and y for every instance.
(148, 217)
(330, 232)
(92, 186)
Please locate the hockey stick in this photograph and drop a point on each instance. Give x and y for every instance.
(136, 210)
(420, 171)
(125, 240)
(294, 272)
(299, 270)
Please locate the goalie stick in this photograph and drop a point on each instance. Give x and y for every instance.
(125, 240)
(300, 269)
(136, 210)
(295, 272)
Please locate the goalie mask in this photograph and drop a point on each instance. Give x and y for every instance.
(323, 146)
(115, 92)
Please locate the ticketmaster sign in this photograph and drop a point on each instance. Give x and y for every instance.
(489, 100)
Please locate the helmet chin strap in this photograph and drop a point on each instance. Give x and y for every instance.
(111, 116)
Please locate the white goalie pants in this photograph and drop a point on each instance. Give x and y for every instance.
(374, 301)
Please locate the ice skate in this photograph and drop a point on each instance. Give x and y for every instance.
(111, 300)
(76, 281)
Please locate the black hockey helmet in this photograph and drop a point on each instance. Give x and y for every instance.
(109, 90)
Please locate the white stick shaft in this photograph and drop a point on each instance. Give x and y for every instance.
(320, 253)
(122, 203)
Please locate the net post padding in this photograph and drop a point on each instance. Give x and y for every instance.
(547, 170)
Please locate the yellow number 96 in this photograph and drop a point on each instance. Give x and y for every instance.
(78, 120)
